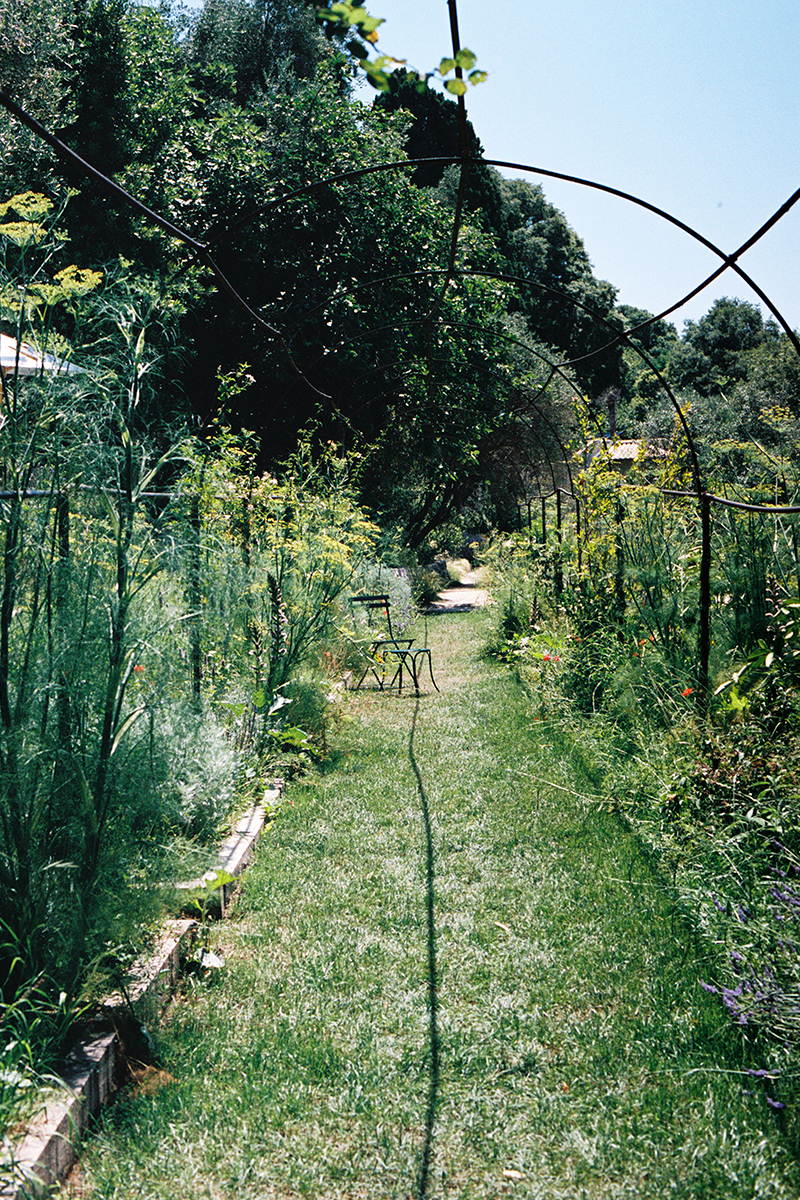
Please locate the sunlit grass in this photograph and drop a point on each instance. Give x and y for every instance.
(578, 1055)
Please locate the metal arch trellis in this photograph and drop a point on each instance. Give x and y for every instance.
(523, 409)
(201, 251)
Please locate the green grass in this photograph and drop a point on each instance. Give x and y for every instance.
(575, 1053)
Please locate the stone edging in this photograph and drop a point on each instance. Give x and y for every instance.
(48, 1151)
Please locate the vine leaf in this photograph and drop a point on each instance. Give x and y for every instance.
(352, 19)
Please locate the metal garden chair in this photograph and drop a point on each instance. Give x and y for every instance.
(386, 654)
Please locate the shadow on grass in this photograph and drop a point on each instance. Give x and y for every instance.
(433, 983)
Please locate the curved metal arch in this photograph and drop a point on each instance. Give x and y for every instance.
(728, 260)
(408, 365)
(201, 250)
(501, 335)
(503, 277)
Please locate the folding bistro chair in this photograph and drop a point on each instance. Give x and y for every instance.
(386, 653)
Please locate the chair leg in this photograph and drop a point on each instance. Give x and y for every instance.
(413, 666)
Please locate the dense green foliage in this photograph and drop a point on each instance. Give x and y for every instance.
(360, 344)
(603, 624)
(365, 330)
(210, 126)
(159, 599)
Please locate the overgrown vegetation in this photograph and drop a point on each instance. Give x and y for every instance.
(367, 364)
(160, 598)
(610, 661)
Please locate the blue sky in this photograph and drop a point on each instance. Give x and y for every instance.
(693, 105)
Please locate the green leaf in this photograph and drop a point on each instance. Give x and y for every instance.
(370, 24)
(113, 515)
(376, 75)
(477, 77)
(456, 86)
(447, 65)
(466, 59)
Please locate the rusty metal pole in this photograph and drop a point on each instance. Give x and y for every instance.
(195, 602)
(704, 631)
(558, 580)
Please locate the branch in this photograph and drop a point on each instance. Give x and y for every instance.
(199, 249)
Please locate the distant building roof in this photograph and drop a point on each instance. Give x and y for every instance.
(624, 451)
(621, 454)
(22, 359)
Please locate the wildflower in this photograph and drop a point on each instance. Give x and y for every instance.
(687, 691)
(775, 1103)
(138, 668)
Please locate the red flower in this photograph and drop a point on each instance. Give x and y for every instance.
(138, 668)
(687, 691)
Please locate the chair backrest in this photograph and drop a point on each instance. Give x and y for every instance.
(376, 604)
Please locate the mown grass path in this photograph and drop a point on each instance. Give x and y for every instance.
(446, 978)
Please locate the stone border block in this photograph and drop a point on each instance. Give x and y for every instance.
(48, 1151)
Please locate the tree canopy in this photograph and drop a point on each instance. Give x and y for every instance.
(433, 359)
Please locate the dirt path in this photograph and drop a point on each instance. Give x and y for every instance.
(464, 598)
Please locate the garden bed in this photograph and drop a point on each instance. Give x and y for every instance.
(48, 1150)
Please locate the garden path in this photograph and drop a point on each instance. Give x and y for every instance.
(451, 973)
(464, 598)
